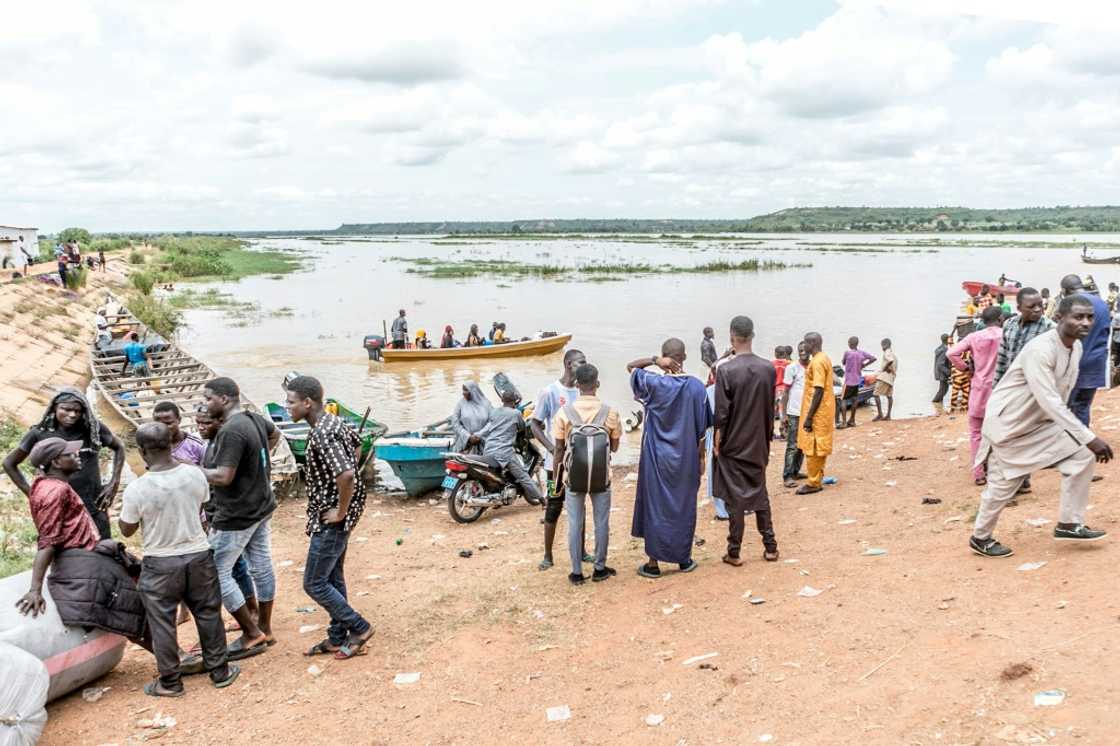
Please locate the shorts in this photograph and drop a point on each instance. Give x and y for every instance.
(139, 370)
(884, 389)
(850, 393)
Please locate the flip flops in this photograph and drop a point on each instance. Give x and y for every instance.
(234, 672)
(155, 689)
(323, 647)
(239, 650)
(689, 566)
(353, 647)
(646, 571)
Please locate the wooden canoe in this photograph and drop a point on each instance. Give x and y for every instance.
(507, 349)
(176, 376)
(296, 432)
(1100, 260)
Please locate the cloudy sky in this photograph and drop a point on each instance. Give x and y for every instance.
(156, 115)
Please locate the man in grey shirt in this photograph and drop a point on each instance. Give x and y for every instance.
(499, 438)
(399, 331)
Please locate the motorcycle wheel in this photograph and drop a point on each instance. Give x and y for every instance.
(461, 512)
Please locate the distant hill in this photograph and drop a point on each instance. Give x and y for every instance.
(1061, 219)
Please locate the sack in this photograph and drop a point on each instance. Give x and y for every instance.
(587, 456)
(23, 697)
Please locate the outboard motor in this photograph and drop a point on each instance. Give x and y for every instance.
(293, 375)
(374, 344)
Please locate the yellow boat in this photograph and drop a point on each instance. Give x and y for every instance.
(506, 349)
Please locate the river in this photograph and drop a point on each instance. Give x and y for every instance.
(350, 287)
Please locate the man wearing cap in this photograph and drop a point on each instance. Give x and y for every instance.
(70, 417)
(60, 518)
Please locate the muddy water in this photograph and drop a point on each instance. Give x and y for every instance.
(352, 287)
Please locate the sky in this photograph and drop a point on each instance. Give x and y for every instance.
(206, 115)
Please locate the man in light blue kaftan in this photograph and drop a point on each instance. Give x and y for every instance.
(672, 458)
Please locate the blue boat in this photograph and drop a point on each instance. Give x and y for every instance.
(417, 457)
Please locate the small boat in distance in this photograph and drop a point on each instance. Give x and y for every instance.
(375, 346)
(1100, 260)
(973, 287)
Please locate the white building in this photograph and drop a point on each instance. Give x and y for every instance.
(14, 242)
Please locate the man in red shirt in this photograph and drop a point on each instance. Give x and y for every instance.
(60, 517)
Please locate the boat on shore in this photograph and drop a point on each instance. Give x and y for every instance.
(296, 432)
(175, 376)
(417, 456)
(375, 346)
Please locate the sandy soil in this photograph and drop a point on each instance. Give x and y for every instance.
(904, 648)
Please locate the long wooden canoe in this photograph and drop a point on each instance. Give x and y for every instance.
(175, 376)
(507, 349)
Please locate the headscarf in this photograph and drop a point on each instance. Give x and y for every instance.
(471, 416)
(448, 330)
(67, 394)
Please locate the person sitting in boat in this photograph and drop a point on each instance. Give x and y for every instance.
(473, 338)
(500, 334)
(422, 341)
(448, 339)
(471, 414)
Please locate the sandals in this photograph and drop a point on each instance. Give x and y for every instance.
(323, 647)
(689, 566)
(234, 672)
(156, 689)
(647, 570)
(770, 556)
(733, 561)
(239, 650)
(807, 489)
(353, 647)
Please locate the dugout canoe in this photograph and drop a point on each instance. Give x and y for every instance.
(176, 376)
(527, 348)
(1100, 260)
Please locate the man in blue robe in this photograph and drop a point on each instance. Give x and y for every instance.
(672, 460)
(1094, 361)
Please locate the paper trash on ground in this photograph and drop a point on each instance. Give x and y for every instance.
(809, 591)
(1049, 698)
(698, 658)
(406, 678)
(654, 720)
(558, 713)
(1028, 566)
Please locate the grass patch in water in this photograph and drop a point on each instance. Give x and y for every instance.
(210, 299)
(446, 269)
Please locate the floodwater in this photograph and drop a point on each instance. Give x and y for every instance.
(352, 286)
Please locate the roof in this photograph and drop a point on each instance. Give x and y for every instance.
(17, 228)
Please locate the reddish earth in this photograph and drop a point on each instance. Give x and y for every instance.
(906, 648)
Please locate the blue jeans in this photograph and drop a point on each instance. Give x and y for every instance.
(1081, 402)
(255, 543)
(325, 583)
(720, 506)
(243, 579)
(601, 513)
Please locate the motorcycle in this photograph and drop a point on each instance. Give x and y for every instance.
(474, 482)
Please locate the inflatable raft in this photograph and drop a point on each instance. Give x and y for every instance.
(73, 656)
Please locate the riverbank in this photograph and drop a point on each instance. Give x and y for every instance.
(926, 643)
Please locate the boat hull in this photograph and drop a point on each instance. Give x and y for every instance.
(417, 462)
(508, 349)
(296, 432)
(1101, 260)
(973, 288)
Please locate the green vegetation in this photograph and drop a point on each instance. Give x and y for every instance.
(215, 257)
(447, 269)
(81, 235)
(76, 277)
(142, 281)
(159, 316)
(212, 299)
(135, 257)
(17, 531)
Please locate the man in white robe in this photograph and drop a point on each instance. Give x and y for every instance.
(1028, 426)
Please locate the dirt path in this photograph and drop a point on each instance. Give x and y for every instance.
(905, 648)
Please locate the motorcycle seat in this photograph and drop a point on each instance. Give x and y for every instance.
(471, 458)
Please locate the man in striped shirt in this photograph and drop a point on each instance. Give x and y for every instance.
(1020, 329)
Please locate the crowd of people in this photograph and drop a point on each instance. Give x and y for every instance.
(204, 506)
(399, 337)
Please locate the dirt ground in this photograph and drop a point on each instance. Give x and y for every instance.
(909, 647)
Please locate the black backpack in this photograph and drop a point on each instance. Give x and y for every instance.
(587, 457)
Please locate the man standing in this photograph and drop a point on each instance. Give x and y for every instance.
(854, 361)
(984, 348)
(186, 448)
(741, 444)
(399, 331)
(551, 399)
(1029, 426)
(941, 374)
(243, 506)
(672, 457)
(336, 498)
(1021, 329)
(884, 382)
(136, 361)
(70, 417)
(791, 415)
(708, 354)
(588, 417)
(178, 565)
(818, 409)
(1094, 361)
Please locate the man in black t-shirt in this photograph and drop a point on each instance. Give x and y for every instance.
(243, 504)
(70, 417)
